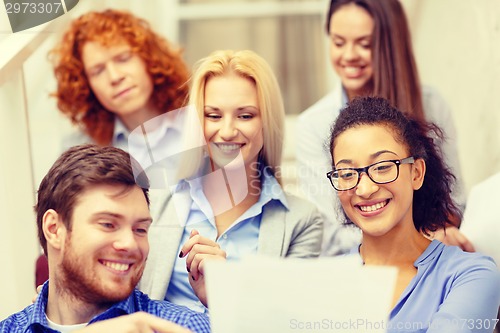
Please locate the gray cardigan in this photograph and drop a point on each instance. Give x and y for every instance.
(295, 232)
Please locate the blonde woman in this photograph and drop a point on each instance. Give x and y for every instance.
(233, 206)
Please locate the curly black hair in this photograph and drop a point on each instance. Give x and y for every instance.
(433, 206)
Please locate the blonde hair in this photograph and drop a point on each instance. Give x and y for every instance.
(246, 64)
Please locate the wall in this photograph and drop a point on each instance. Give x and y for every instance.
(457, 44)
(18, 242)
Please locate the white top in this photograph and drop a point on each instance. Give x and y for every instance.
(64, 328)
(314, 160)
(481, 223)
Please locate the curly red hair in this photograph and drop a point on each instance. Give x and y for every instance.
(75, 98)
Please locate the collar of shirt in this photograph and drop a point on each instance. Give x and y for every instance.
(270, 190)
(240, 239)
(120, 135)
(155, 144)
(38, 314)
(427, 256)
(343, 97)
(39, 317)
(154, 129)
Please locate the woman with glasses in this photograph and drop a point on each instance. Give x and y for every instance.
(392, 183)
(371, 53)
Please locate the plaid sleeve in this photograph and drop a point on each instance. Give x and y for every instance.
(198, 323)
(181, 315)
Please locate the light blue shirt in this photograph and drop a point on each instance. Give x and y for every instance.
(344, 98)
(119, 139)
(158, 140)
(239, 240)
(155, 140)
(453, 291)
(120, 135)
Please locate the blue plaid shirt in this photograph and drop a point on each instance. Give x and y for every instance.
(33, 318)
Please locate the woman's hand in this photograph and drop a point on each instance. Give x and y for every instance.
(453, 236)
(38, 290)
(198, 249)
(139, 322)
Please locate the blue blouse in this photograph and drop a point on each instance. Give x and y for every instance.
(453, 291)
(239, 240)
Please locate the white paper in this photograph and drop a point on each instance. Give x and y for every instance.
(261, 295)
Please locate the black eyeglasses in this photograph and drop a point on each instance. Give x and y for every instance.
(382, 172)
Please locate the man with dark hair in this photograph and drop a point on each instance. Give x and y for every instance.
(93, 222)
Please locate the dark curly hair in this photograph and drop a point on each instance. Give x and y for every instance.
(78, 169)
(75, 98)
(433, 206)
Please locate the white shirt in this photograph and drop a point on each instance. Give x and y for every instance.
(481, 222)
(64, 328)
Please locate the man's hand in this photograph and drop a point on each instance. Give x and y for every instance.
(139, 322)
(199, 249)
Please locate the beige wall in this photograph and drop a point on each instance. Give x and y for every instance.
(18, 241)
(457, 45)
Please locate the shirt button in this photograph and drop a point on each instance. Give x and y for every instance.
(224, 236)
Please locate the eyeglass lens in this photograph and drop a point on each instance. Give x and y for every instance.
(382, 172)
